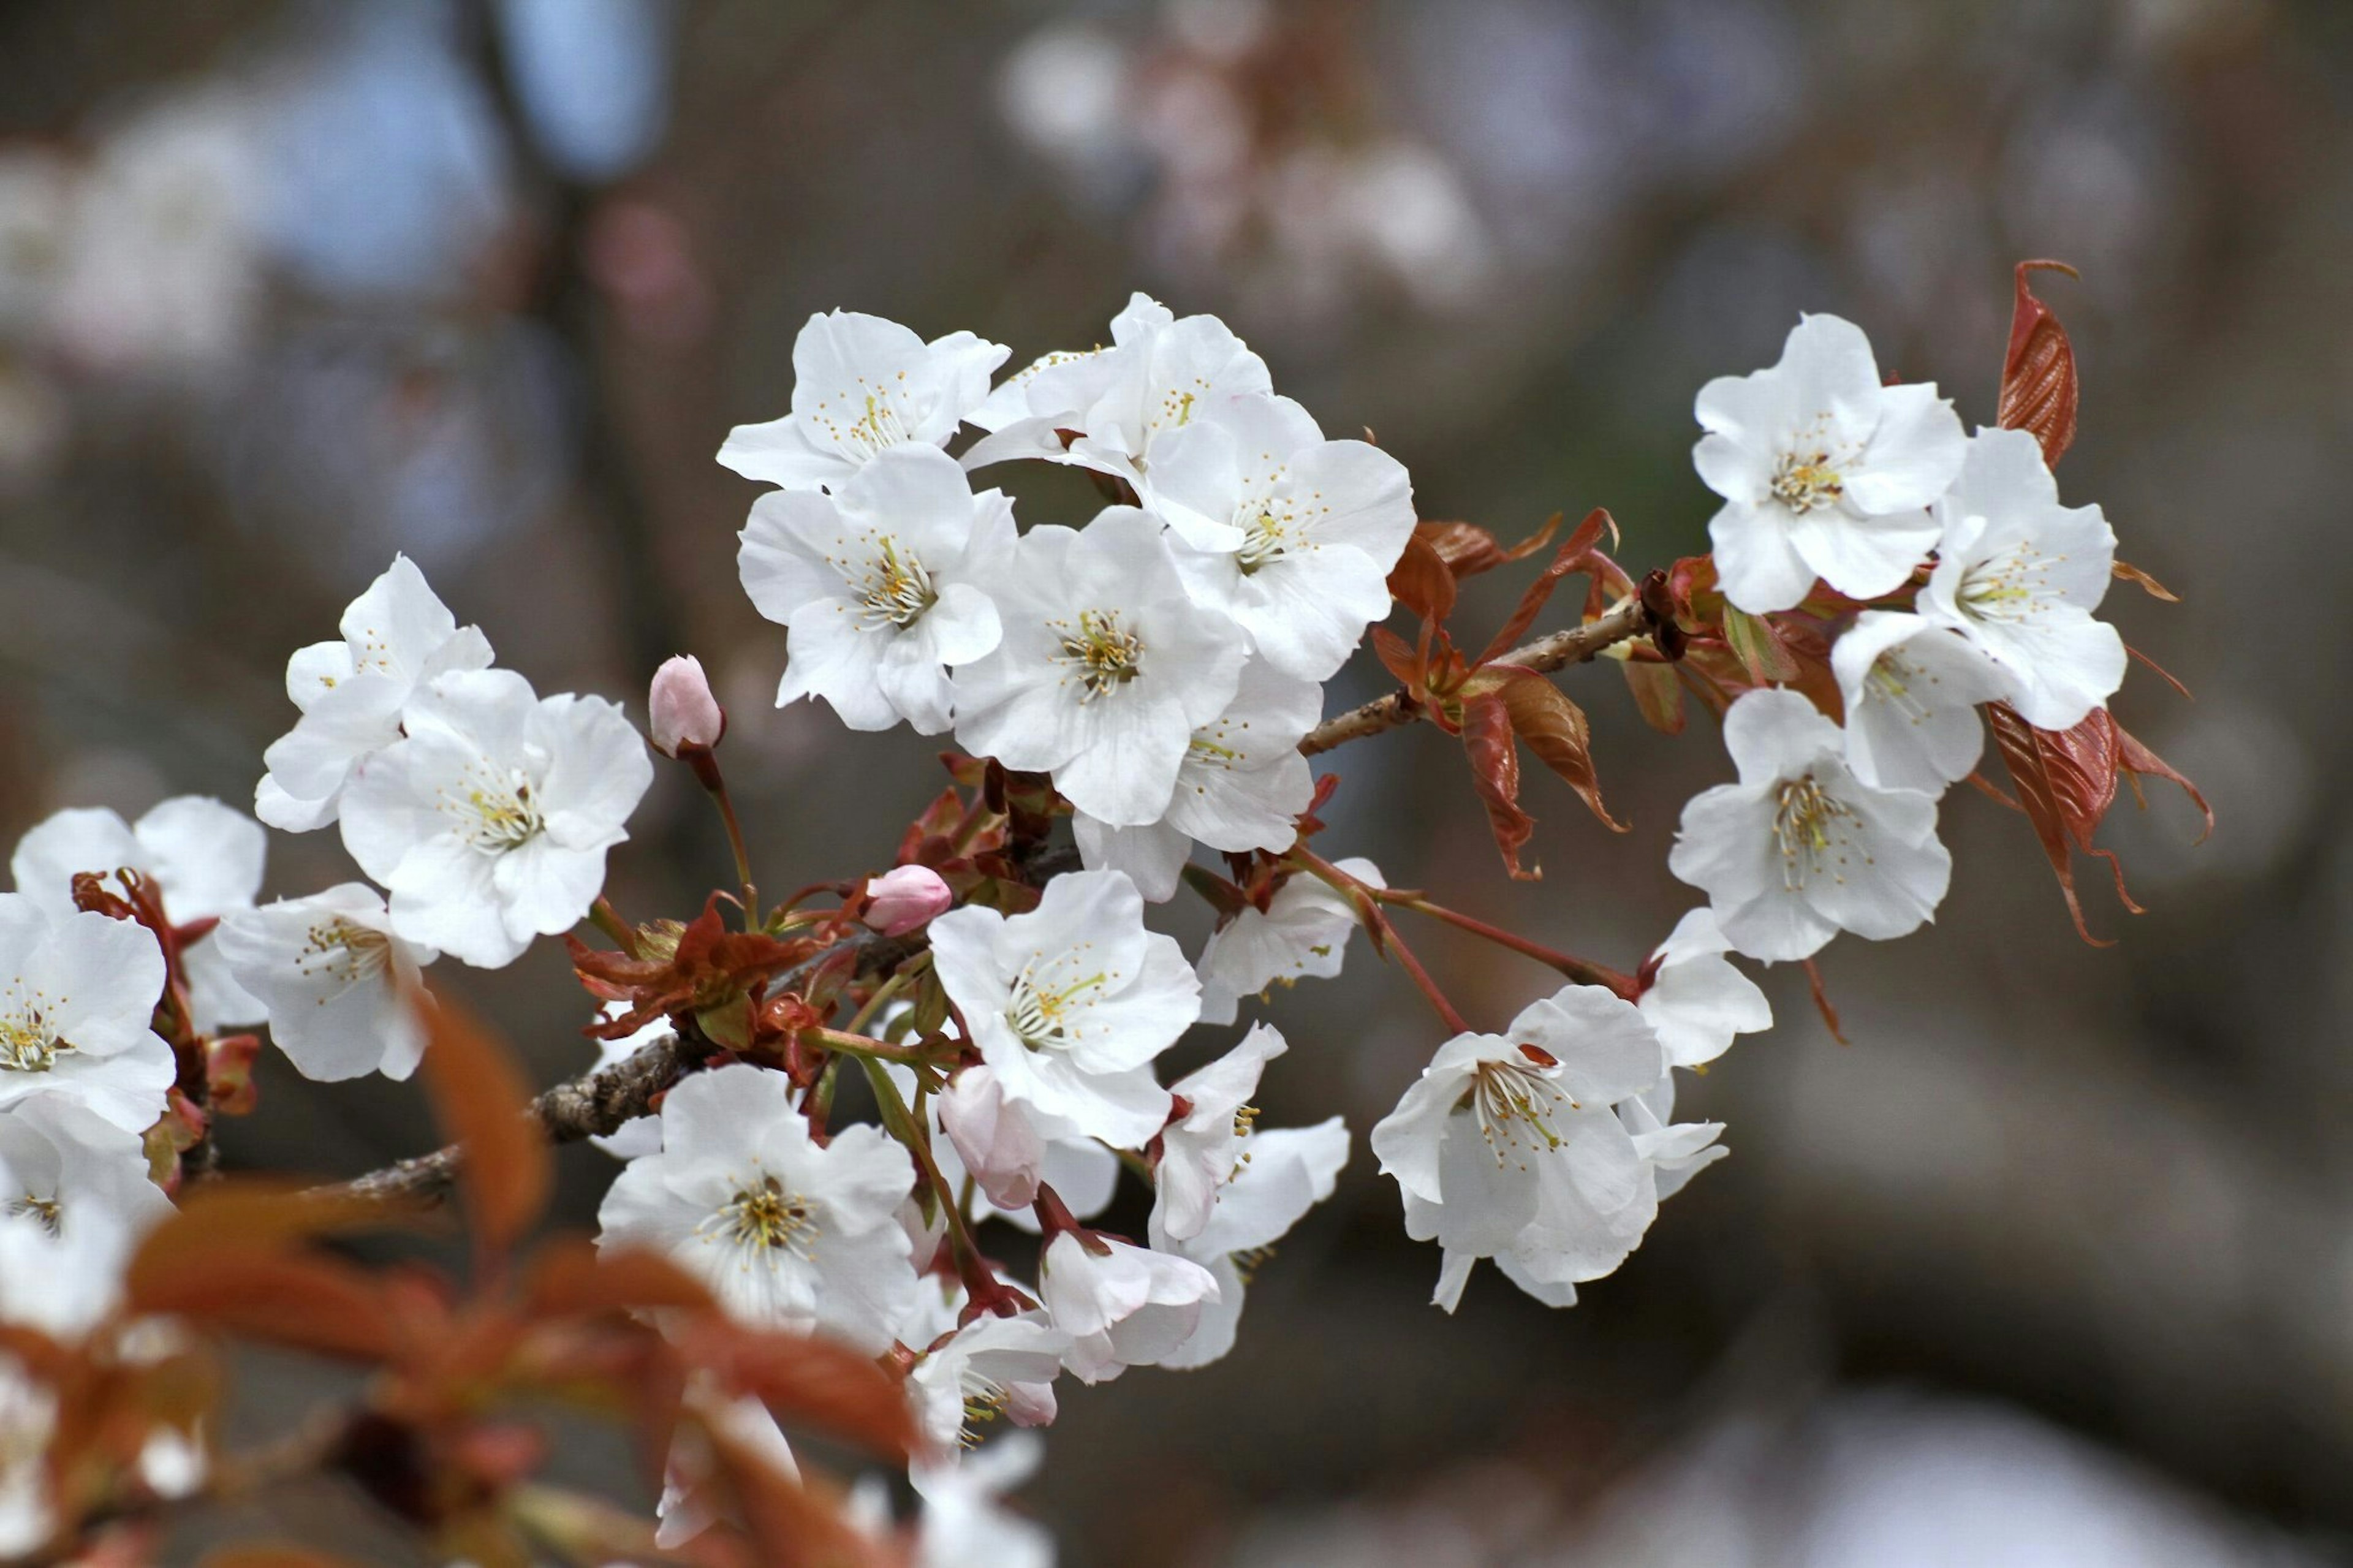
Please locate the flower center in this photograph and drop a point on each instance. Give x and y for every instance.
(45, 1210)
(1042, 1015)
(897, 588)
(345, 953)
(1104, 655)
(1515, 1103)
(498, 812)
(878, 427)
(27, 1043)
(984, 1402)
(1270, 533)
(2012, 585)
(1813, 829)
(1891, 682)
(763, 1216)
(1806, 481)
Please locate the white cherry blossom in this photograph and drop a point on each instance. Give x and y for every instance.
(1069, 1002)
(1507, 1146)
(2020, 575)
(204, 857)
(1123, 401)
(789, 1234)
(1278, 1175)
(1291, 534)
(1122, 1305)
(861, 387)
(1824, 471)
(76, 997)
(877, 583)
(1677, 1151)
(1912, 689)
(340, 988)
(1105, 670)
(1302, 932)
(62, 1164)
(989, 1367)
(1800, 850)
(1695, 1000)
(1200, 1149)
(488, 822)
(63, 1281)
(396, 635)
(1241, 786)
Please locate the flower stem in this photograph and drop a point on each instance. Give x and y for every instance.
(900, 1123)
(1584, 970)
(706, 772)
(1386, 933)
(607, 919)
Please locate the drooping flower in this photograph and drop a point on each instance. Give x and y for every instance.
(202, 857)
(1291, 535)
(1800, 850)
(339, 985)
(1912, 689)
(488, 821)
(1302, 932)
(1202, 1149)
(1069, 1002)
(2020, 575)
(76, 997)
(879, 582)
(1122, 1305)
(1241, 786)
(862, 386)
(1507, 1145)
(396, 635)
(1120, 402)
(62, 1164)
(1279, 1175)
(1695, 999)
(787, 1233)
(989, 1367)
(1106, 669)
(1824, 471)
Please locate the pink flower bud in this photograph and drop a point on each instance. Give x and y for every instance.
(683, 711)
(898, 901)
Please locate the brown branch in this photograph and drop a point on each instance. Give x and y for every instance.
(596, 1104)
(1546, 654)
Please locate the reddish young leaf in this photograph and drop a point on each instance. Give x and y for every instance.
(812, 1383)
(2038, 374)
(1658, 693)
(482, 1102)
(570, 1275)
(2066, 781)
(1575, 555)
(2149, 584)
(1495, 772)
(1758, 642)
(792, 1522)
(1421, 581)
(1398, 658)
(2136, 761)
(311, 1304)
(1556, 730)
(246, 1217)
(273, 1556)
(1466, 548)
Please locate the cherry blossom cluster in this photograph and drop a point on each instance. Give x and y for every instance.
(833, 1114)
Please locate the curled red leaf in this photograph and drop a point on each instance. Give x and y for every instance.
(2038, 374)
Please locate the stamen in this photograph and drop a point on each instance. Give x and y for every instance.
(1516, 1104)
(897, 588)
(763, 1216)
(1104, 656)
(45, 1210)
(1813, 829)
(1808, 481)
(497, 813)
(27, 1043)
(347, 952)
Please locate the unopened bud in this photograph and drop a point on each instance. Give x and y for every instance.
(898, 901)
(683, 713)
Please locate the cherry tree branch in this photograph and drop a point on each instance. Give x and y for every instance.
(1546, 654)
(597, 1104)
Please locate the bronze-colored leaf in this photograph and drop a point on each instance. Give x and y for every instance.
(481, 1100)
(1494, 754)
(1556, 730)
(2038, 374)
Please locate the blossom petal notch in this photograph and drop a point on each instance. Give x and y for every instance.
(1825, 471)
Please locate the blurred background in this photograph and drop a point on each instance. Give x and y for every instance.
(2052, 1264)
